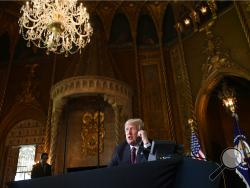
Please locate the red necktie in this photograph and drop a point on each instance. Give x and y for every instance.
(133, 155)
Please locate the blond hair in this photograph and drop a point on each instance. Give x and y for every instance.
(135, 121)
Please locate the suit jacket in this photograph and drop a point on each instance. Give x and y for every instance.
(39, 171)
(121, 155)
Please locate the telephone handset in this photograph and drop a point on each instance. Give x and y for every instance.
(139, 139)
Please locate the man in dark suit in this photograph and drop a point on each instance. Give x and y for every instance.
(136, 148)
(42, 168)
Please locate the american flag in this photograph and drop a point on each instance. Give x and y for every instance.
(240, 143)
(196, 152)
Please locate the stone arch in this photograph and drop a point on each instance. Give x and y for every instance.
(146, 29)
(168, 29)
(206, 90)
(120, 29)
(29, 121)
(20, 112)
(116, 93)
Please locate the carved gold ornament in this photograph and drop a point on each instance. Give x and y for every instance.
(92, 127)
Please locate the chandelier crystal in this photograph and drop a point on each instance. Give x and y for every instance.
(60, 26)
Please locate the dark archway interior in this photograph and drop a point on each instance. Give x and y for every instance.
(220, 123)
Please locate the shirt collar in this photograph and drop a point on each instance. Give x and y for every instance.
(136, 147)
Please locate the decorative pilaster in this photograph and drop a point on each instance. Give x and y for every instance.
(55, 121)
(167, 108)
(183, 90)
(117, 110)
(46, 146)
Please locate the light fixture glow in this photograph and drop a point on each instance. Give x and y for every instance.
(203, 10)
(227, 95)
(187, 21)
(60, 26)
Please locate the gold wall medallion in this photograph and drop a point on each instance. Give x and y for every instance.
(92, 128)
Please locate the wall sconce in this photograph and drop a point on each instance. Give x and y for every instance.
(194, 16)
(186, 21)
(227, 95)
(203, 10)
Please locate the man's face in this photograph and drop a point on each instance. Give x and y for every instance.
(44, 159)
(131, 132)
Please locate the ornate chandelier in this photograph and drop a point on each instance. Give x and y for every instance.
(228, 97)
(58, 25)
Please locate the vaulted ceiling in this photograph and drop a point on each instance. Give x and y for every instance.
(122, 21)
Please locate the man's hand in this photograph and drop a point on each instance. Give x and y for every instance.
(144, 137)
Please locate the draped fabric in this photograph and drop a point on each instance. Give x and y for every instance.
(196, 151)
(240, 143)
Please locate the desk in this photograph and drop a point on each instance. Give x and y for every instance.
(195, 174)
(155, 174)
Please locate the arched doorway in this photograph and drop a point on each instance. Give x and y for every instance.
(24, 132)
(216, 123)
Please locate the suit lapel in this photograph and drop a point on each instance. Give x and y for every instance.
(140, 158)
(139, 155)
(126, 154)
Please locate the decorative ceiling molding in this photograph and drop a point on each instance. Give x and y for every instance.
(157, 10)
(106, 11)
(133, 11)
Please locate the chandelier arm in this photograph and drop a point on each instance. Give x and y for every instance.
(72, 21)
(32, 19)
(76, 32)
(31, 27)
